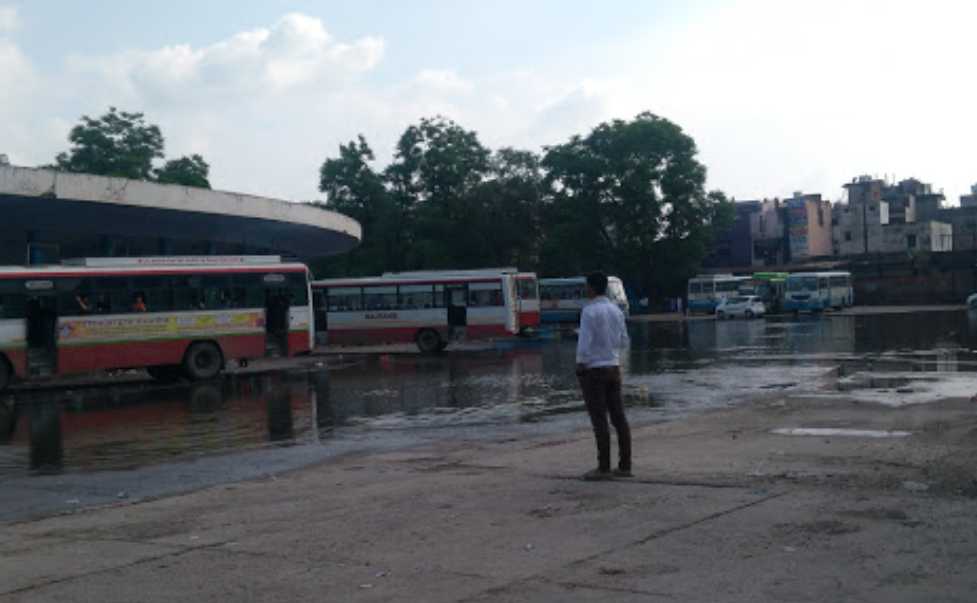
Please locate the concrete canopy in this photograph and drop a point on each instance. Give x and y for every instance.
(54, 203)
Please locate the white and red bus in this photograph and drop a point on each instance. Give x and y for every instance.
(429, 309)
(527, 289)
(175, 316)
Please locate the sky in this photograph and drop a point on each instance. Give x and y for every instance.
(779, 96)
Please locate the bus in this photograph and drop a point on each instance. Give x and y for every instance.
(174, 316)
(429, 310)
(527, 289)
(768, 286)
(818, 291)
(562, 299)
(706, 291)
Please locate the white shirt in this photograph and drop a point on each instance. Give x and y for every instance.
(603, 334)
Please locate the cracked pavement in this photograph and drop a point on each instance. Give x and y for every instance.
(721, 509)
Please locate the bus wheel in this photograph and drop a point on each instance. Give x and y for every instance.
(202, 361)
(429, 342)
(165, 373)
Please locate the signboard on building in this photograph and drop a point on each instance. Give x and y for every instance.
(797, 227)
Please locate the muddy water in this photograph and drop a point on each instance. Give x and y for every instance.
(671, 369)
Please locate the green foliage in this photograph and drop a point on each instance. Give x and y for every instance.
(116, 144)
(628, 198)
(123, 145)
(188, 171)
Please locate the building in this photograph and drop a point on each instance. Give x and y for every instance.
(808, 224)
(883, 218)
(971, 199)
(769, 234)
(734, 247)
(50, 216)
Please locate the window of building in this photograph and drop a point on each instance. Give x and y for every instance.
(848, 235)
(911, 241)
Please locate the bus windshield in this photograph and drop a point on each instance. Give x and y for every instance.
(804, 283)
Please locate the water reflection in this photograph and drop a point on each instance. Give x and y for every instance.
(671, 366)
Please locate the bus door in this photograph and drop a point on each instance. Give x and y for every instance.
(456, 301)
(320, 316)
(41, 318)
(277, 304)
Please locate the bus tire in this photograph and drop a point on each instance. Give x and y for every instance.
(203, 360)
(429, 341)
(6, 372)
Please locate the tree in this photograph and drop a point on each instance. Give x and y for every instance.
(123, 145)
(116, 144)
(436, 168)
(353, 188)
(188, 171)
(630, 198)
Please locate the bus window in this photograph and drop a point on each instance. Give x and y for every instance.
(157, 294)
(695, 288)
(485, 294)
(415, 297)
(297, 288)
(527, 288)
(380, 297)
(344, 299)
(111, 295)
(13, 302)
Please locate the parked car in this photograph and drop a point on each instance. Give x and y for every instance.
(747, 306)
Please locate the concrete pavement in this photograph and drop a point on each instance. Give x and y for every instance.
(721, 510)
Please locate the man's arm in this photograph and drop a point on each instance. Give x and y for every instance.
(583, 341)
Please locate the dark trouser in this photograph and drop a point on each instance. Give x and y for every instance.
(602, 393)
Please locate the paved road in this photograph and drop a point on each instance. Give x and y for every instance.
(722, 509)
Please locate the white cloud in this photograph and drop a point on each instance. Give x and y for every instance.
(779, 96)
(9, 19)
(295, 52)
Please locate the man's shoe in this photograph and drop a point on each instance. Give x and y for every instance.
(623, 473)
(597, 475)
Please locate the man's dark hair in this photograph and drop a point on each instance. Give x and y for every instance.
(598, 282)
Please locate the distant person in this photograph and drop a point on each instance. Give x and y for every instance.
(603, 334)
(139, 303)
(84, 306)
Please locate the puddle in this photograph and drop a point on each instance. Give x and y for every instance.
(846, 433)
(672, 370)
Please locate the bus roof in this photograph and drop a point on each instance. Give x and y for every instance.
(461, 272)
(12, 272)
(834, 273)
(416, 280)
(571, 280)
(770, 276)
(718, 277)
(176, 260)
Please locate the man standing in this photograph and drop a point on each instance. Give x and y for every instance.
(603, 334)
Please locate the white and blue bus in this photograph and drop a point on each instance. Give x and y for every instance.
(818, 291)
(562, 299)
(707, 291)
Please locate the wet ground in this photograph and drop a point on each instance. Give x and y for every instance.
(61, 448)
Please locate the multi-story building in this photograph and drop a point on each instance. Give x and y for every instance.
(971, 199)
(882, 218)
(808, 226)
